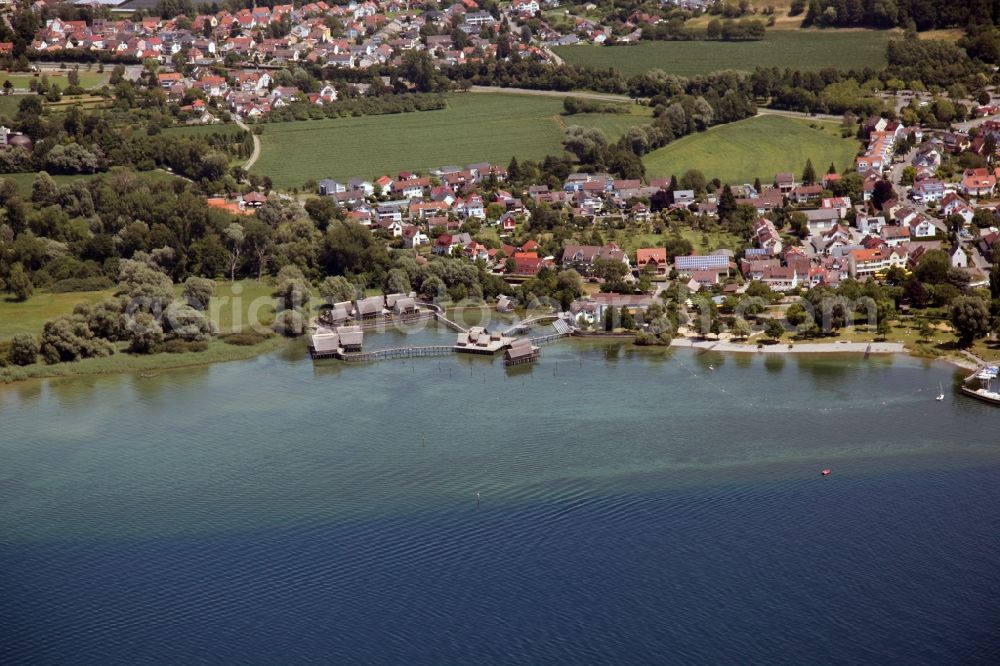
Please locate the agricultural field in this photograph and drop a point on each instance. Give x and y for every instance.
(755, 148)
(805, 49)
(474, 128)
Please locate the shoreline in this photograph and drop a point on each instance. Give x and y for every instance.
(161, 362)
(188, 360)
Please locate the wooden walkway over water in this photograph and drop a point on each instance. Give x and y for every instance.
(431, 350)
(396, 352)
(523, 326)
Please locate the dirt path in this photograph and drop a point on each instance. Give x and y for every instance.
(256, 145)
(763, 111)
(605, 97)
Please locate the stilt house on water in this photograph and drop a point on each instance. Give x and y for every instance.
(521, 352)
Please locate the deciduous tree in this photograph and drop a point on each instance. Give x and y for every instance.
(970, 315)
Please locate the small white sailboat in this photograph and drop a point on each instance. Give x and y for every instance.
(940, 395)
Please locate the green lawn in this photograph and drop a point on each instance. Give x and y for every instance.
(474, 128)
(29, 316)
(91, 79)
(754, 148)
(810, 50)
(8, 105)
(632, 239)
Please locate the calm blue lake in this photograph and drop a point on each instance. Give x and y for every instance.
(633, 506)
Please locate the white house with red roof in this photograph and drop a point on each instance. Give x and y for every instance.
(952, 204)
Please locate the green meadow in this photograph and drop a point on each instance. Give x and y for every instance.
(754, 148)
(474, 128)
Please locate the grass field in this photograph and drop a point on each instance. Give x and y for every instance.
(803, 49)
(91, 79)
(474, 128)
(754, 148)
(29, 316)
(8, 105)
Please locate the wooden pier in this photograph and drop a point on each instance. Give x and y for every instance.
(546, 339)
(526, 349)
(396, 352)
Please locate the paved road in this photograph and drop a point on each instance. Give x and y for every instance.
(975, 122)
(256, 145)
(896, 174)
(606, 97)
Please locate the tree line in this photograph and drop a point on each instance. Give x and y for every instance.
(909, 14)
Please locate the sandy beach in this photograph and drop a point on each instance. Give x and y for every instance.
(797, 348)
(967, 361)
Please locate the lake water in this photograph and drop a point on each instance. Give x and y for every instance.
(633, 507)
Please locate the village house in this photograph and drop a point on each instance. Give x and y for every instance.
(921, 227)
(952, 204)
(697, 267)
(780, 278)
(822, 219)
(784, 182)
(893, 235)
(583, 258)
(865, 264)
(928, 190)
(805, 193)
(978, 182)
(652, 260)
(446, 244)
(766, 236)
